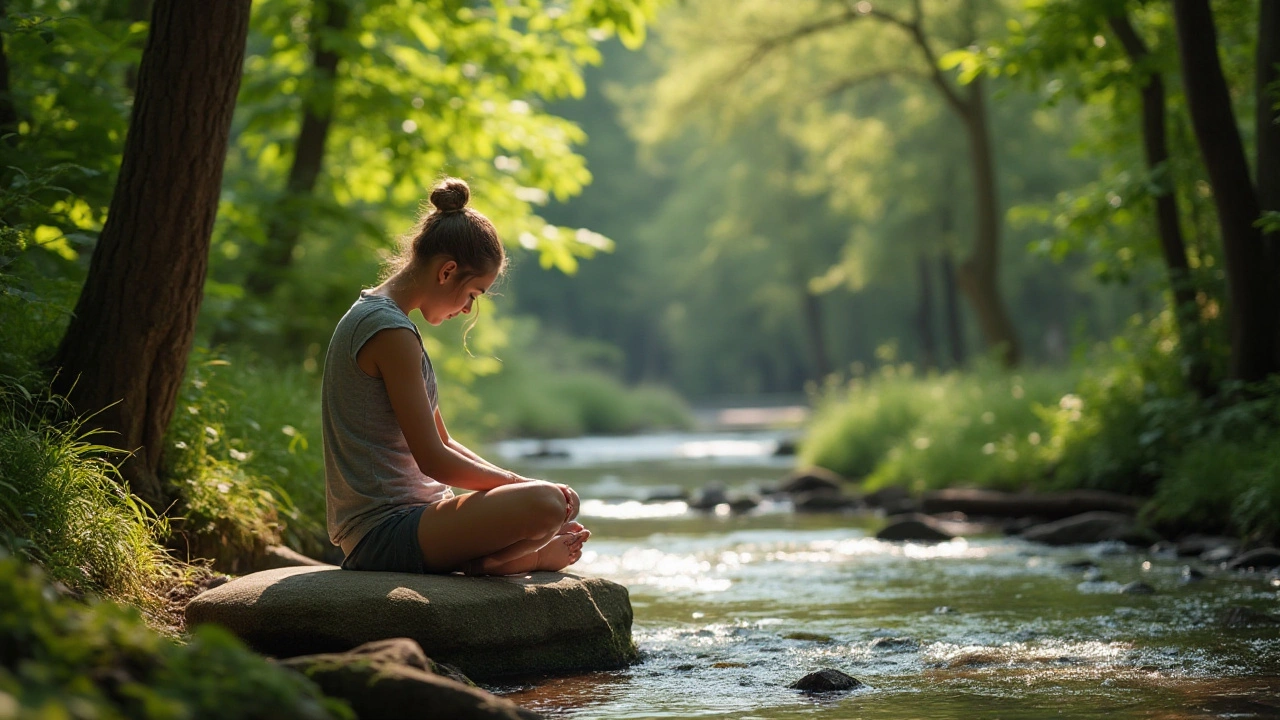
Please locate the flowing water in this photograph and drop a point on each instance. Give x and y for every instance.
(729, 610)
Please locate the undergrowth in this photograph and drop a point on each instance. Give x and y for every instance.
(61, 658)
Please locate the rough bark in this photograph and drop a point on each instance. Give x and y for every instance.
(284, 228)
(1172, 245)
(979, 274)
(924, 312)
(1250, 312)
(125, 351)
(951, 303)
(1268, 144)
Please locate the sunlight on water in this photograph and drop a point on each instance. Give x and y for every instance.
(726, 449)
(632, 509)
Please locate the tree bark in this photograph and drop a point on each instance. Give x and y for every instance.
(924, 312)
(285, 225)
(951, 301)
(1172, 244)
(979, 274)
(125, 351)
(8, 112)
(1268, 144)
(1250, 313)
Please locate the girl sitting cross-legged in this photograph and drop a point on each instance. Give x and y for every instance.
(389, 461)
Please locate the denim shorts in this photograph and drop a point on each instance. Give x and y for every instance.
(391, 546)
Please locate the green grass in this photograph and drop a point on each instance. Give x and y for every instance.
(64, 506)
(983, 428)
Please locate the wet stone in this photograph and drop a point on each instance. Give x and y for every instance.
(914, 527)
(1260, 559)
(709, 497)
(811, 637)
(667, 493)
(1219, 554)
(1190, 575)
(895, 643)
(822, 501)
(744, 502)
(812, 479)
(1080, 565)
(826, 680)
(1241, 616)
(1137, 587)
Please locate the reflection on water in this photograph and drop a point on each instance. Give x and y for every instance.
(731, 609)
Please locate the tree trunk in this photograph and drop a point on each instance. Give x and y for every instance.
(8, 113)
(1172, 245)
(979, 274)
(951, 301)
(1268, 151)
(285, 225)
(1250, 313)
(817, 338)
(125, 351)
(924, 313)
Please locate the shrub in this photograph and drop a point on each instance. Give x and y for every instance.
(981, 428)
(62, 658)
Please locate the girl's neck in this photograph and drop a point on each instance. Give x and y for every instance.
(402, 288)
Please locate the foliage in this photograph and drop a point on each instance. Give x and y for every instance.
(62, 658)
(554, 386)
(63, 504)
(977, 428)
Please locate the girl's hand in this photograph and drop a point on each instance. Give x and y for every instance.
(572, 503)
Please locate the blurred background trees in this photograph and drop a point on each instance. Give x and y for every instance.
(768, 199)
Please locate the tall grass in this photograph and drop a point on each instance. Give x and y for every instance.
(65, 506)
(980, 428)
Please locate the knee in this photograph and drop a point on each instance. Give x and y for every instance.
(546, 509)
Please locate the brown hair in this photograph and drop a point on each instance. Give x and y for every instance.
(456, 231)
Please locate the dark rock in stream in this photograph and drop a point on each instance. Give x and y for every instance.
(666, 493)
(895, 644)
(822, 501)
(707, 498)
(914, 527)
(1080, 565)
(1198, 545)
(1220, 554)
(744, 502)
(893, 500)
(1137, 587)
(1259, 559)
(1052, 505)
(826, 680)
(1090, 527)
(812, 479)
(395, 679)
(1241, 616)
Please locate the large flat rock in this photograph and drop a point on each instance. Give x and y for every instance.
(540, 623)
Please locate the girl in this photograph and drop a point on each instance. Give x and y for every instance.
(389, 461)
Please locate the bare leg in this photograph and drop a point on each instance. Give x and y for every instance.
(500, 525)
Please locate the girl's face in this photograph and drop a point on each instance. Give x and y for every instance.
(451, 295)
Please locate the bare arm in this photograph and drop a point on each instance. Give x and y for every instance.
(463, 450)
(397, 355)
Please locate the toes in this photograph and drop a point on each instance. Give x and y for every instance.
(571, 527)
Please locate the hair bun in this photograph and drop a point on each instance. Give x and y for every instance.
(450, 195)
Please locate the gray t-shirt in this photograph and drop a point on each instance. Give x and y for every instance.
(369, 472)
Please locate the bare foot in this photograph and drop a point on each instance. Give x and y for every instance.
(563, 550)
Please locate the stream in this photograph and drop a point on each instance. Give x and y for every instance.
(730, 609)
